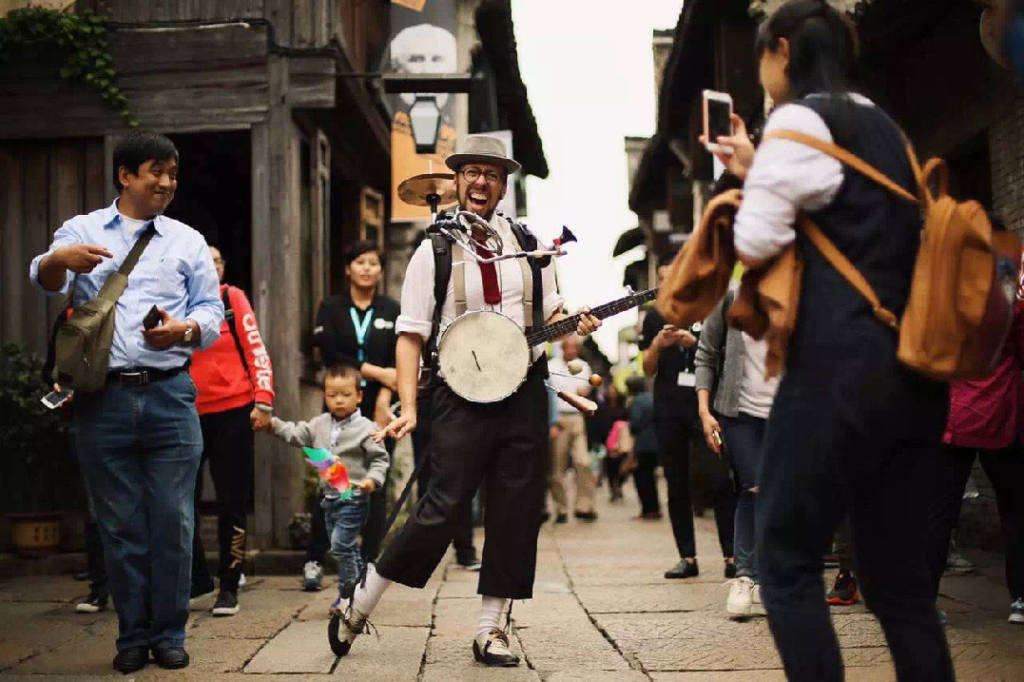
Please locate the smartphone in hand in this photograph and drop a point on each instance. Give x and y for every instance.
(717, 119)
(151, 319)
(55, 399)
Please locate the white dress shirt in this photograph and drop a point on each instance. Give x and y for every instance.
(418, 287)
(786, 177)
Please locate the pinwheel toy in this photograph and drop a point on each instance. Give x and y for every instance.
(331, 470)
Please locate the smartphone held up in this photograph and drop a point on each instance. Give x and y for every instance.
(717, 119)
(55, 399)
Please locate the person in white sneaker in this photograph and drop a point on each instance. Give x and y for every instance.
(743, 400)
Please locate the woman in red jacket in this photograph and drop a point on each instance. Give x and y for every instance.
(235, 381)
(985, 421)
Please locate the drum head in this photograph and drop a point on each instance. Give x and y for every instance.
(483, 356)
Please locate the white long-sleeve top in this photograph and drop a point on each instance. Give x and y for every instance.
(786, 177)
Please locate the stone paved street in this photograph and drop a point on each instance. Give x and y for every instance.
(601, 612)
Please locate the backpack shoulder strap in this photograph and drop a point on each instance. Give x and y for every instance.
(848, 158)
(442, 250)
(229, 317)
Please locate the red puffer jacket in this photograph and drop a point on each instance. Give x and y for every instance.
(218, 371)
(987, 413)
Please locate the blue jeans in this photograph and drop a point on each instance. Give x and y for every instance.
(344, 519)
(139, 449)
(743, 437)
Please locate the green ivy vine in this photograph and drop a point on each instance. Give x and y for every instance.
(79, 41)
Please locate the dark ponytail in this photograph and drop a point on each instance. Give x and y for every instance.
(822, 45)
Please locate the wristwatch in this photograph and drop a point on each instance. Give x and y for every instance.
(187, 338)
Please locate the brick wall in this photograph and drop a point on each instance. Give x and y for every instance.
(1006, 149)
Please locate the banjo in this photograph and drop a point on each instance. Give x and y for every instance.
(484, 355)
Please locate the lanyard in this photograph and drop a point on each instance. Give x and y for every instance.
(361, 329)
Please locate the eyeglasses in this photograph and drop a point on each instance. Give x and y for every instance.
(218, 261)
(472, 174)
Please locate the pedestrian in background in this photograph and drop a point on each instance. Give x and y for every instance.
(669, 357)
(851, 428)
(732, 364)
(357, 328)
(570, 446)
(645, 447)
(610, 409)
(138, 438)
(235, 381)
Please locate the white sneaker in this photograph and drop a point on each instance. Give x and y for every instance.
(312, 577)
(756, 605)
(494, 650)
(241, 581)
(1017, 612)
(739, 601)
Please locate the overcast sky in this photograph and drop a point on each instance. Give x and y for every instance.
(589, 73)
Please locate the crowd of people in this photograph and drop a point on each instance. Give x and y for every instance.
(848, 447)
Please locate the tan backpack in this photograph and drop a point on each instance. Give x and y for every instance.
(960, 307)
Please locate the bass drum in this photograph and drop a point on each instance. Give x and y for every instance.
(483, 356)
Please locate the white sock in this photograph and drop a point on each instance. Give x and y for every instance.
(365, 599)
(491, 609)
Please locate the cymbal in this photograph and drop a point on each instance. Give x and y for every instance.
(415, 190)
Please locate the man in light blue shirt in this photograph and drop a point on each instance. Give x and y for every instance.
(138, 439)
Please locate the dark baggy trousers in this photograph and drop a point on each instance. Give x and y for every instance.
(1005, 469)
(677, 440)
(463, 537)
(502, 446)
(228, 447)
(860, 440)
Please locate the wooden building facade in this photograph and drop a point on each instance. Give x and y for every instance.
(284, 160)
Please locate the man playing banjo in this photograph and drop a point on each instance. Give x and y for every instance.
(501, 443)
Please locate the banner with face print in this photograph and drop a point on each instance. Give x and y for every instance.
(422, 41)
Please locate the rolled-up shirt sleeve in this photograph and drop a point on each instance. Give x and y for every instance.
(204, 304)
(786, 177)
(66, 235)
(417, 312)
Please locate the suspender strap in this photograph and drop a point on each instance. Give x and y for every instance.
(528, 291)
(459, 287)
(533, 302)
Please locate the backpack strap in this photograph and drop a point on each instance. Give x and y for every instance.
(229, 317)
(850, 159)
(442, 249)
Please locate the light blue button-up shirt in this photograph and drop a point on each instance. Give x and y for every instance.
(175, 273)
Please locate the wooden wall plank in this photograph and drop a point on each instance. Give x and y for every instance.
(36, 234)
(96, 179)
(67, 196)
(14, 278)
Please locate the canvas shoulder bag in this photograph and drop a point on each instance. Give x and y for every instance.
(82, 346)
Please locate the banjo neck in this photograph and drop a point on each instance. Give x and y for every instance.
(569, 324)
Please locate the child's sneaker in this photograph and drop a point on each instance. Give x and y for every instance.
(1017, 612)
(312, 577)
(844, 591)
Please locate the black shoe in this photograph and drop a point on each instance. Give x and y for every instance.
(171, 657)
(730, 569)
(684, 569)
(227, 603)
(545, 517)
(562, 518)
(131, 659)
(586, 516)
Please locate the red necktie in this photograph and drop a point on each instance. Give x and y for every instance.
(488, 273)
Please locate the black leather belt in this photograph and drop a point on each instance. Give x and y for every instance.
(140, 376)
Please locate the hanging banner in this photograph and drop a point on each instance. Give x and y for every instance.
(422, 41)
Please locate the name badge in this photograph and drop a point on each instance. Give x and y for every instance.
(688, 379)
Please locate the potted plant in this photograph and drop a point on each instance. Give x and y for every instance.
(38, 475)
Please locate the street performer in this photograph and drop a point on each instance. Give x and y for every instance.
(502, 445)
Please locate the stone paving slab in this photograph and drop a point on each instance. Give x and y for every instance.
(673, 596)
(475, 672)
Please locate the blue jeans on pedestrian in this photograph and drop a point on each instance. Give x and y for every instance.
(139, 450)
(743, 437)
(344, 519)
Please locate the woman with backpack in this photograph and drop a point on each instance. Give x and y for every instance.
(235, 393)
(851, 429)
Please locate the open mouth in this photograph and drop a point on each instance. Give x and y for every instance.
(477, 200)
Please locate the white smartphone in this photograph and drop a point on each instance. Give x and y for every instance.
(717, 119)
(55, 399)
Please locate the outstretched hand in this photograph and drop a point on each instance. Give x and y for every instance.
(398, 428)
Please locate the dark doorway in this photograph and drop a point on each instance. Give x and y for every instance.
(215, 196)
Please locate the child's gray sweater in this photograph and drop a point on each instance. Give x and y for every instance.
(352, 444)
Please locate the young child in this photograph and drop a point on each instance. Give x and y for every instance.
(346, 434)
